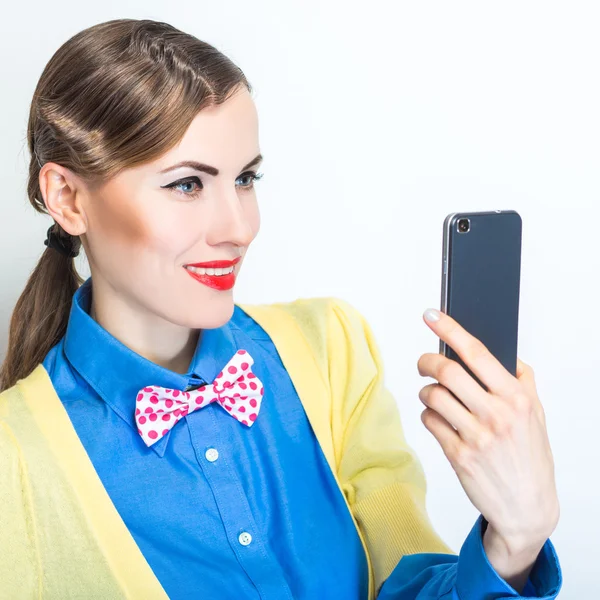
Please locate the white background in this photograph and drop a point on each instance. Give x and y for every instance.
(376, 120)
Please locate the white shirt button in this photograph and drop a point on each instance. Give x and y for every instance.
(245, 538)
(212, 454)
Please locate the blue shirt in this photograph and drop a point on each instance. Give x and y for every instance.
(260, 515)
(189, 515)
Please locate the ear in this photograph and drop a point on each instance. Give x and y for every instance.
(63, 193)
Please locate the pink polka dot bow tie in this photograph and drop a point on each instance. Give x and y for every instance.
(236, 388)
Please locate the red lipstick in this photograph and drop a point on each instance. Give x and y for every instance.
(216, 264)
(217, 282)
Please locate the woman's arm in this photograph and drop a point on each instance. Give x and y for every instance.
(469, 576)
(385, 485)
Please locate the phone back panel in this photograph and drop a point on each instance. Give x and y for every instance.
(481, 272)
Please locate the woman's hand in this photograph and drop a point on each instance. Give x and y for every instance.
(497, 443)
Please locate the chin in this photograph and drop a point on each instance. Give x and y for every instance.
(212, 315)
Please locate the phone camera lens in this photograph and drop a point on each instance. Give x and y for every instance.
(463, 225)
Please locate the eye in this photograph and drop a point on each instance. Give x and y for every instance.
(185, 186)
(253, 176)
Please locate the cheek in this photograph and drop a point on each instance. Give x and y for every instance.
(126, 227)
(119, 221)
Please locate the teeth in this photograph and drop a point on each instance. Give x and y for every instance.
(200, 271)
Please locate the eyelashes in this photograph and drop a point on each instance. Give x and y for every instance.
(186, 182)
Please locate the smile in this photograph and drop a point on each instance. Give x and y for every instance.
(217, 278)
(216, 274)
(205, 271)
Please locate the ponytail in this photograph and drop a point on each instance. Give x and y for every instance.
(41, 314)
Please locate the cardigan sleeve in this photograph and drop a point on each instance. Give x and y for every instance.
(385, 484)
(379, 472)
(20, 571)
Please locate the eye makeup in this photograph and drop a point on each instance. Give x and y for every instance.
(175, 186)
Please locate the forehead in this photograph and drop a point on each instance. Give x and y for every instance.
(224, 135)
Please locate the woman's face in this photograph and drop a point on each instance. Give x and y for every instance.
(145, 225)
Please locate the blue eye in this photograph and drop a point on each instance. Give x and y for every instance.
(185, 186)
(253, 177)
(182, 186)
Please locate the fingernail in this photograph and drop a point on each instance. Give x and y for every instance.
(432, 315)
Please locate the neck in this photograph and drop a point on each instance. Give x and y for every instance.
(161, 342)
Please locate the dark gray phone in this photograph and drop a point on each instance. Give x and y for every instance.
(481, 274)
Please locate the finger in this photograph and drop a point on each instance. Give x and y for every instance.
(526, 375)
(453, 377)
(441, 400)
(442, 431)
(485, 366)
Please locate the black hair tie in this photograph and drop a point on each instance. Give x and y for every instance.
(61, 244)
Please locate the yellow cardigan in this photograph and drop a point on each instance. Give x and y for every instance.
(61, 536)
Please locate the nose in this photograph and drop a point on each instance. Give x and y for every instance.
(232, 218)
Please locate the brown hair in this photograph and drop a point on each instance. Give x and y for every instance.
(115, 95)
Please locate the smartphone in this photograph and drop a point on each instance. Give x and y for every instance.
(481, 274)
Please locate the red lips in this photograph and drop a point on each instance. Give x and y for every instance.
(217, 282)
(216, 264)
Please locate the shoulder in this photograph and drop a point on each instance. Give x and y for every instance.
(336, 331)
(317, 317)
(10, 411)
(10, 403)
(17, 420)
(22, 439)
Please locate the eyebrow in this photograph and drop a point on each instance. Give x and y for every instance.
(207, 168)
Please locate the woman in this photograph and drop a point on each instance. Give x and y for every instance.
(124, 475)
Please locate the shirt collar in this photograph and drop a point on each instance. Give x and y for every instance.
(117, 373)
